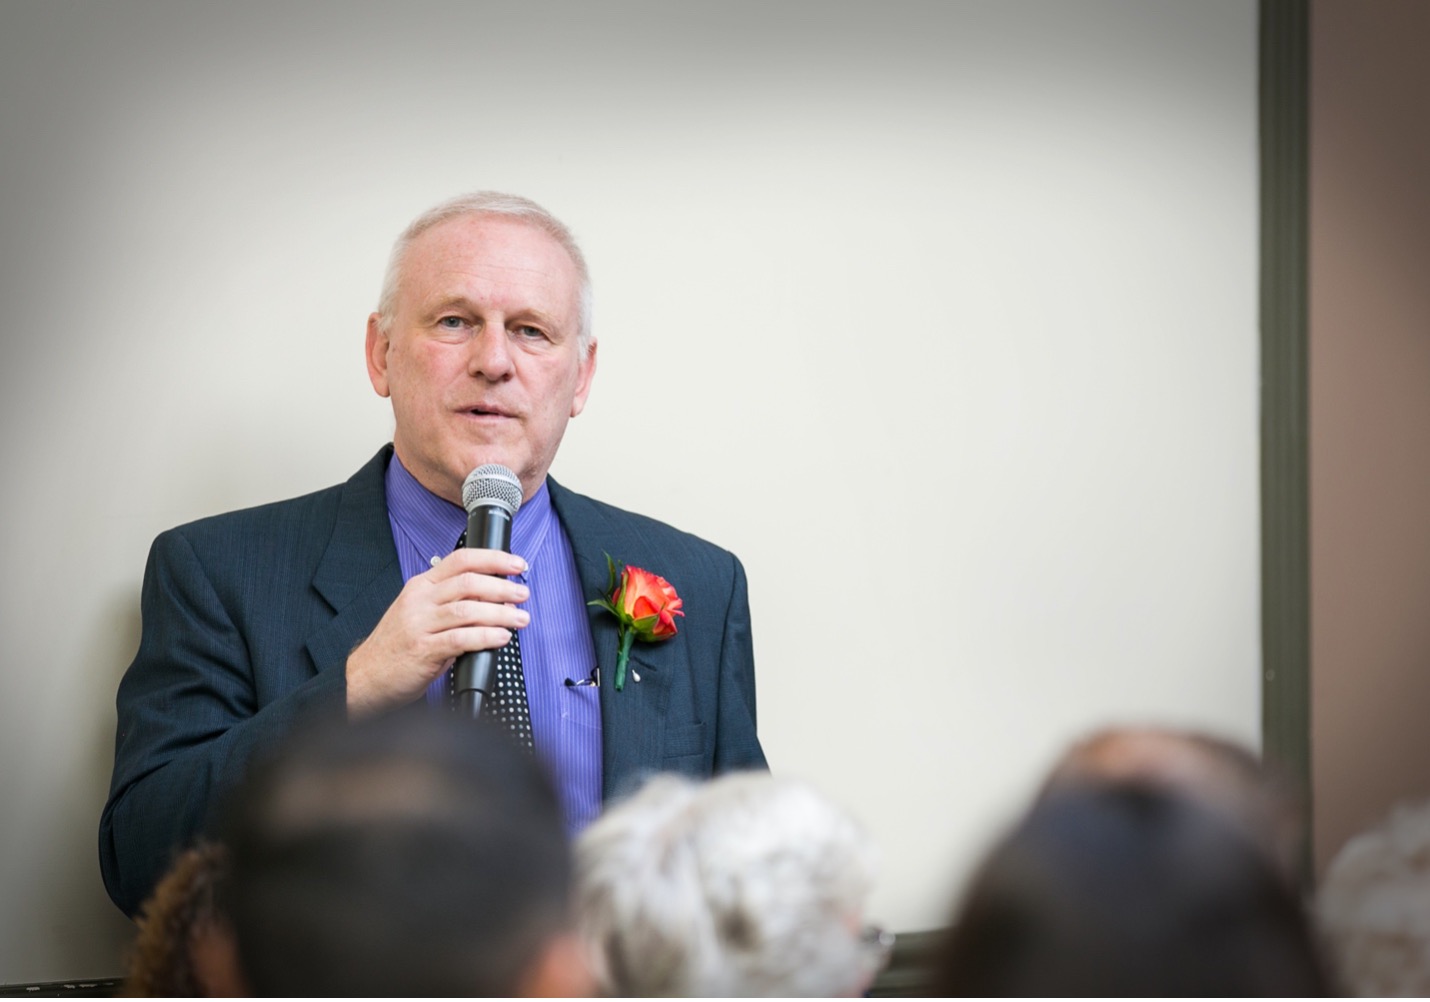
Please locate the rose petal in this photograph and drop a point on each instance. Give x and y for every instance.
(647, 603)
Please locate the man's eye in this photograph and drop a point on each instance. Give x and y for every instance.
(528, 331)
(452, 323)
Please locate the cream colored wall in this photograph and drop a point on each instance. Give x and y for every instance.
(1370, 413)
(987, 269)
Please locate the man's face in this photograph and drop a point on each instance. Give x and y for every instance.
(481, 358)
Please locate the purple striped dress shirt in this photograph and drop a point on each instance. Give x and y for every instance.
(555, 646)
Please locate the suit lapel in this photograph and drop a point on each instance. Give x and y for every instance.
(358, 575)
(632, 720)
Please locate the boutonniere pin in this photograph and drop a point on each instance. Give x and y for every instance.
(644, 604)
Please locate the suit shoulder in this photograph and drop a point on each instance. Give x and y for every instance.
(291, 514)
(579, 512)
(309, 516)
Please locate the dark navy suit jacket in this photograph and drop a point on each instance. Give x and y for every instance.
(248, 619)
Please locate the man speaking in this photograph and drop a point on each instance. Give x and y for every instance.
(356, 599)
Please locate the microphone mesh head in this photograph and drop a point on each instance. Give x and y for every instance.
(491, 483)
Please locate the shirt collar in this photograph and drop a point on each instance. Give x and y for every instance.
(532, 524)
(433, 524)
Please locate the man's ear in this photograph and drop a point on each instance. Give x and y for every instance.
(583, 380)
(560, 970)
(377, 346)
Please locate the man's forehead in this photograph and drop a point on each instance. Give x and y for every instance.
(488, 248)
(488, 235)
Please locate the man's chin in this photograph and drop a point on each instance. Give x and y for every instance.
(492, 457)
(503, 457)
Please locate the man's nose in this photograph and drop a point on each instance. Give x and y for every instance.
(490, 355)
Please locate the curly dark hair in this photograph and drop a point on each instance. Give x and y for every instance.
(185, 906)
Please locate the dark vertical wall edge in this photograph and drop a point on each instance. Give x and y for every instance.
(1285, 523)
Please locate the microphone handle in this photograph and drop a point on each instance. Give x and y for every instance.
(488, 528)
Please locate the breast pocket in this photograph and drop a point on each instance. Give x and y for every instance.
(684, 750)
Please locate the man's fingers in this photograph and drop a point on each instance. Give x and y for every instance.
(463, 604)
(478, 638)
(455, 615)
(481, 587)
(465, 561)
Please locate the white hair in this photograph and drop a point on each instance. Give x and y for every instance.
(746, 885)
(486, 203)
(1374, 906)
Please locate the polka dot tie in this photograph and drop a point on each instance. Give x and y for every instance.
(506, 703)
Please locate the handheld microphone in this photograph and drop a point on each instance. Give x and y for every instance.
(491, 494)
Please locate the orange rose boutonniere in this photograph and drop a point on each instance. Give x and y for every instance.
(644, 604)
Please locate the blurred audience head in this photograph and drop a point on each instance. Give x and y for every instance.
(1128, 889)
(407, 855)
(185, 945)
(1218, 774)
(745, 885)
(1374, 906)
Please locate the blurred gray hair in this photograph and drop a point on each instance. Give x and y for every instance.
(746, 885)
(1374, 906)
(486, 203)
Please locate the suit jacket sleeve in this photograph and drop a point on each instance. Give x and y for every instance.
(190, 717)
(736, 744)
